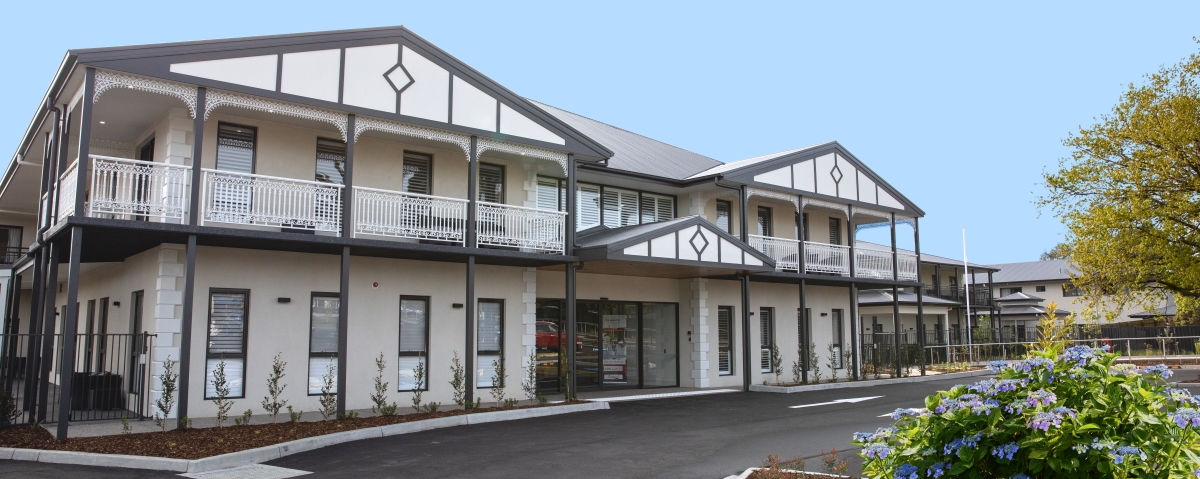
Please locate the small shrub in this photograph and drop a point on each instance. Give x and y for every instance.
(169, 380)
(776, 362)
(847, 363)
(814, 362)
(542, 399)
(328, 399)
(351, 414)
(458, 380)
(293, 415)
(1070, 413)
(774, 468)
(126, 428)
(833, 463)
(245, 419)
(511, 402)
(271, 402)
(431, 406)
(9, 410)
(833, 362)
(185, 423)
(221, 388)
(499, 376)
(798, 367)
(418, 383)
(529, 384)
(379, 397)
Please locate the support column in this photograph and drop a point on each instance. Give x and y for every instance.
(348, 183)
(70, 329)
(852, 237)
(85, 137)
(569, 279)
(343, 329)
(800, 235)
(699, 335)
(746, 369)
(197, 159)
(920, 294)
(992, 306)
(168, 318)
(185, 330)
(805, 329)
(855, 332)
(179, 152)
(471, 242)
(895, 296)
(49, 322)
(31, 348)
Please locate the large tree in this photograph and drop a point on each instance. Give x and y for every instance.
(1129, 194)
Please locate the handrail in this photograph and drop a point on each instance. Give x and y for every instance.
(138, 189)
(525, 208)
(277, 178)
(409, 215)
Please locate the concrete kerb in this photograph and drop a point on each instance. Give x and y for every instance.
(862, 384)
(268, 453)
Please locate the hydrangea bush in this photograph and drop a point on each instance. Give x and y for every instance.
(1066, 413)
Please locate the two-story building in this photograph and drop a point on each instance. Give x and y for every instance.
(337, 197)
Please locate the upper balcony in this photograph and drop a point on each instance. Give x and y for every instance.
(823, 258)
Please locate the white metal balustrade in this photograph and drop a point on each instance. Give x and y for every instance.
(872, 263)
(516, 226)
(826, 258)
(784, 251)
(132, 189)
(247, 199)
(908, 266)
(66, 191)
(409, 215)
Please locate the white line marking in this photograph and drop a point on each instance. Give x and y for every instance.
(661, 395)
(253, 471)
(839, 401)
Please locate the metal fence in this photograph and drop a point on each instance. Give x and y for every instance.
(109, 381)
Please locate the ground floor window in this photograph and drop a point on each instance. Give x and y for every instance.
(838, 339)
(227, 327)
(766, 321)
(490, 341)
(322, 341)
(725, 340)
(414, 343)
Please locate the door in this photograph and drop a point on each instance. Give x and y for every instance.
(660, 345)
(141, 187)
(136, 353)
(587, 344)
(620, 335)
(232, 193)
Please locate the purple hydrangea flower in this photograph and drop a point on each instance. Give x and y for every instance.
(1029, 364)
(1044, 421)
(1183, 396)
(1080, 355)
(1185, 416)
(1020, 476)
(877, 451)
(1015, 407)
(1041, 397)
(1006, 451)
(985, 408)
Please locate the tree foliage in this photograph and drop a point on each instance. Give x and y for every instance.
(1129, 194)
(1059, 251)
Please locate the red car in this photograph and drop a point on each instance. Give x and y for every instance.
(549, 337)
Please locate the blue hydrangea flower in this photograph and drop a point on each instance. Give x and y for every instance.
(937, 469)
(1105, 445)
(1123, 370)
(1119, 454)
(909, 412)
(877, 450)
(968, 442)
(1020, 476)
(997, 365)
(1009, 385)
(1041, 397)
(1080, 355)
(1185, 416)
(1159, 370)
(1044, 421)
(985, 408)
(1029, 364)
(1015, 407)
(1006, 451)
(1183, 396)
(906, 471)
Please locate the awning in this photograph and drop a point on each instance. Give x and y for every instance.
(688, 247)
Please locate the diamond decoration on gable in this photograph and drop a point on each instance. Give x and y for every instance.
(700, 245)
(399, 78)
(836, 173)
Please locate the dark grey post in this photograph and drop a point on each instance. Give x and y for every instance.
(35, 316)
(197, 177)
(895, 295)
(801, 260)
(50, 314)
(920, 295)
(992, 304)
(472, 242)
(348, 184)
(85, 137)
(805, 332)
(746, 369)
(343, 329)
(570, 293)
(851, 238)
(185, 331)
(855, 331)
(66, 365)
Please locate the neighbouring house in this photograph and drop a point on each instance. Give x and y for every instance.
(330, 197)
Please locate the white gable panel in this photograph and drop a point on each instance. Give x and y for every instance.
(516, 124)
(365, 85)
(312, 74)
(710, 252)
(429, 95)
(256, 72)
(848, 187)
(685, 245)
(640, 249)
(730, 253)
(781, 177)
(753, 261)
(663, 246)
(802, 175)
(886, 199)
(472, 107)
(825, 183)
(866, 189)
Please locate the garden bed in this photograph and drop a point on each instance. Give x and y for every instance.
(206, 442)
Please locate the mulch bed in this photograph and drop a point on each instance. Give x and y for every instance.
(206, 442)
(767, 474)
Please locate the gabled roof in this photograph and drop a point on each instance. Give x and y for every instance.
(1029, 310)
(1019, 297)
(388, 73)
(1168, 310)
(633, 152)
(868, 297)
(686, 240)
(1031, 271)
(734, 165)
(929, 258)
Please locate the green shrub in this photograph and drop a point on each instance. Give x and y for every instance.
(1069, 413)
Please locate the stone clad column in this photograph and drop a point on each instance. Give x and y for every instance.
(700, 345)
(529, 316)
(179, 152)
(168, 314)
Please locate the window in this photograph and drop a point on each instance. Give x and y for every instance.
(764, 221)
(10, 239)
(331, 161)
(588, 209)
(766, 321)
(1008, 291)
(837, 338)
(1039, 289)
(551, 195)
(725, 340)
(235, 148)
(414, 342)
(491, 183)
(1070, 290)
(835, 231)
(227, 339)
(146, 152)
(489, 341)
(322, 339)
(90, 338)
(620, 207)
(804, 221)
(418, 173)
(724, 208)
(657, 208)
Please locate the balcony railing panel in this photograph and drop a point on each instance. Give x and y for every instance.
(246, 199)
(826, 258)
(872, 263)
(132, 189)
(908, 266)
(525, 228)
(409, 215)
(66, 191)
(784, 251)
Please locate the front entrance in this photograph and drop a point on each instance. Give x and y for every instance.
(618, 345)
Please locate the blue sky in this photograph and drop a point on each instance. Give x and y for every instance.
(960, 106)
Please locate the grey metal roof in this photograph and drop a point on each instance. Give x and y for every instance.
(603, 235)
(1057, 269)
(1030, 310)
(733, 165)
(633, 152)
(929, 258)
(1019, 297)
(881, 296)
(1168, 310)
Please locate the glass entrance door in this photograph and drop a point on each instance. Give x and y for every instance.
(617, 345)
(660, 345)
(620, 322)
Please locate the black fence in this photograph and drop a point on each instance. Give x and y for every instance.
(110, 378)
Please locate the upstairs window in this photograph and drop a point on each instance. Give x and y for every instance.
(331, 161)
(491, 183)
(804, 222)
(10, 239)
(235, 148)
(1008, 291)
(1070, 290)
(418, 173)
(620, 207)
(835, 231)
(657, 208)
(724, 209)
(588, 209)
(764, 222)
(551, 195)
